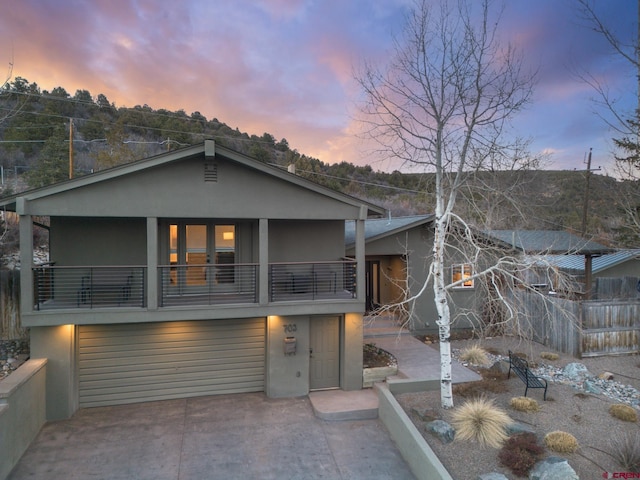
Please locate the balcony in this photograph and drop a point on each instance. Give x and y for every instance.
(92, 287)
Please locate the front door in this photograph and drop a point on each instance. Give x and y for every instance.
(372, 273)
(324, 364)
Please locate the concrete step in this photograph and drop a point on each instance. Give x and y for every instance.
(339, 405)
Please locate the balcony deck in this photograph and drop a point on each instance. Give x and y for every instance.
(101, 287)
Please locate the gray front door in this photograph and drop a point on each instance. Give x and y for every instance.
(324, 365)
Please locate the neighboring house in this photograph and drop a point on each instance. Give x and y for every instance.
(549, 244)
(196, 272)
(613, 275)
(398, 252)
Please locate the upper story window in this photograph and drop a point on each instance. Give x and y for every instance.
(463, 273)
(208, 251)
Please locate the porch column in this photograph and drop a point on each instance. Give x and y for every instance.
(152, 263)
(360, 256)
(263, 261)
(26, 256)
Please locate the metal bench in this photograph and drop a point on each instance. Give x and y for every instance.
(521, 368)
(111, 285)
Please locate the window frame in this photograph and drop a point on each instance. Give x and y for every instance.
(461, 269)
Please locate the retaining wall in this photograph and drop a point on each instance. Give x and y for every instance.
(22, 411)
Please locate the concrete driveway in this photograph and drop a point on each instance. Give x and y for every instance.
(243, 436)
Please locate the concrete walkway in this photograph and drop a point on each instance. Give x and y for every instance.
(416, 361)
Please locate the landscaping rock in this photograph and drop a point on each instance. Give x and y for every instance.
(500, 366)
(606, 376)
(575, 371)
(553, 468)
(442, 430)
(492, 476)
(590, 387)
(515, 428)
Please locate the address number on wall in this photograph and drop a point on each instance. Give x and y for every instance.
(290, 328)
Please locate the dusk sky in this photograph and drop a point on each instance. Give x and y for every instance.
(286, 66)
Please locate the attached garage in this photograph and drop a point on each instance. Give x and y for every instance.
(129, 363)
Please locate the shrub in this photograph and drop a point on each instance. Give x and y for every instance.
(481, 420)
(520, 453)
(475, 355)
(626, 451)
(561, 442)
(549, 356)
(623, 412)
(524, 404)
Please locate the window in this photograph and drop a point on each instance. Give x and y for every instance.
(462, 272)
(207, 250)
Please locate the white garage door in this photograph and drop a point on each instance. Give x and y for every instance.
(159, 361)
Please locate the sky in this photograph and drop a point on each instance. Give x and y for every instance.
(286, 67)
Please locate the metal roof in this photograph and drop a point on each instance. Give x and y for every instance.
(381, 227)
(548, 242)
(575, 263)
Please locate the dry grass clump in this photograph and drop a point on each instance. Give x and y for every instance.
(549, 356)
(475, 355)
(623, 412)
(561, 442)
(524, 404)
(520, 453)
(481, 420)
(626, 451)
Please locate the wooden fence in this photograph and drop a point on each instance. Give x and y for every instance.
(10, 328)
(582, 328)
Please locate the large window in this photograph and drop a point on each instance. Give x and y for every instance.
(207, 250)
(462, 273)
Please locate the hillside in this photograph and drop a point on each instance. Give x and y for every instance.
(34, 151)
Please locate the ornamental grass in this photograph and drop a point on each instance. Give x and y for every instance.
(480, 420)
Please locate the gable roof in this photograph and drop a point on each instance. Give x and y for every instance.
(209, 149)
(548, 242)
(376, 228)
(575, 263)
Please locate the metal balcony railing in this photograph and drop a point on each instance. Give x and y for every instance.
(312, 280)
(208, 284)
(89, 287)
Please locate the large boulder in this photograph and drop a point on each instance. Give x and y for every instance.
(553, 468)
(575, 371)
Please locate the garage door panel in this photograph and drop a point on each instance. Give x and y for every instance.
(99, 352)
(144, 362)
(132, 371)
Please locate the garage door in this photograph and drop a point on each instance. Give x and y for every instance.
(159, 361)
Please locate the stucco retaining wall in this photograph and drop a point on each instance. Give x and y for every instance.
(22, 411)
(424, 464)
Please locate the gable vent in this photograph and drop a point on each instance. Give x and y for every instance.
(210, 172)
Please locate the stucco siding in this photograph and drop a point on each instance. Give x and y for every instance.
(98, 241)
(179, 190)
(306, 241)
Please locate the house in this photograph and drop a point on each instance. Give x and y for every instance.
(397, 266)
(196, 272)
(614, 275)
(547, 243)
(398, 252)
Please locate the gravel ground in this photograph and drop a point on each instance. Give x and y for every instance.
(567, 408)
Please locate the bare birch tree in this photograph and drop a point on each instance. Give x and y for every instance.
(444, 103)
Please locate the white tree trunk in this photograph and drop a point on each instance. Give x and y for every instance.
(444, 314)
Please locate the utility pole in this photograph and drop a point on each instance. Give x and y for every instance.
(585, 206)
(71, 148)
